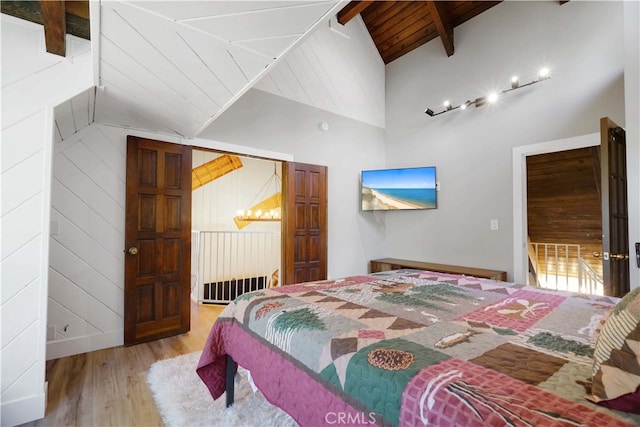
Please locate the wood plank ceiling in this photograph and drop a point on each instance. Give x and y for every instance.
(398, 27)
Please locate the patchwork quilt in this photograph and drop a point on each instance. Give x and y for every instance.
(413, 348)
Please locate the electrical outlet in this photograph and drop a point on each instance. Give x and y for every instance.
(494, 225)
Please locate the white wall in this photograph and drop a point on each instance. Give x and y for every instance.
(86, 279)
(265, 121)
(33, 82)
(472, 149)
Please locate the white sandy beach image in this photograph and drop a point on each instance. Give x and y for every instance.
(372, 199)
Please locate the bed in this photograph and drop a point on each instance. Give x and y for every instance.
(411, 347)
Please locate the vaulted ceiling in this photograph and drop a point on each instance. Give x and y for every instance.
(398, 27)
(175, 66)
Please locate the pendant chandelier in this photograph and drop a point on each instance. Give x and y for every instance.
(263, 207)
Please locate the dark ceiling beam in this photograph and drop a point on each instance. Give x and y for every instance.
(351, 10)
(55, 26)
(77, 13)
(443, 24)
(77, 8)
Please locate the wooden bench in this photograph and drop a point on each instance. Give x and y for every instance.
(386, 264)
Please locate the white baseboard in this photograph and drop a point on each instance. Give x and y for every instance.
(23, 411)
(69, 347)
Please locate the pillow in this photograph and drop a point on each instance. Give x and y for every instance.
(616, 364)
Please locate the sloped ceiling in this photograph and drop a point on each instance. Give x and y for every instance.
(173, 67)
(336, 69)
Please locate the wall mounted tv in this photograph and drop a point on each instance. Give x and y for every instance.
(398, 189)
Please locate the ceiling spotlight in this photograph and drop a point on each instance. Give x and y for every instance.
(492, 97)
(544, 73)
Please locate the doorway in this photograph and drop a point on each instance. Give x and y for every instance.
(564, 220)
(236, 225)
(306, 204)
(520, 224)
(521, 227)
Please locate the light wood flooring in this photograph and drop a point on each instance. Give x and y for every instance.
(109, 387)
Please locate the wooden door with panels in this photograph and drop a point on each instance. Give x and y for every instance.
(615, 208)
(157, 240)
(304, 228)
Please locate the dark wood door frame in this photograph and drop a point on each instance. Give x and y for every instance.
(520, 194)
(615, 208)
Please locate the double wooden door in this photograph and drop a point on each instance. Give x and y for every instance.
(158, 235)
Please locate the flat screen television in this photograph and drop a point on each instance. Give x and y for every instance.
(398, 189)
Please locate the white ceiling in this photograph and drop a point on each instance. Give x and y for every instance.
(174, 66)
(337, 69)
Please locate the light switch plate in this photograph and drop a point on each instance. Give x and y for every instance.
(494, 224)
(54, 228)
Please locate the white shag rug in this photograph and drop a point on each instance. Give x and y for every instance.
(183, 399)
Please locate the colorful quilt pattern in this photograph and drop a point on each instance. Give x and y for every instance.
(416, 348)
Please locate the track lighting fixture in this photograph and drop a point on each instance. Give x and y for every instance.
(492, 97)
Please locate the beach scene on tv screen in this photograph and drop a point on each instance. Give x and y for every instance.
(394, 189)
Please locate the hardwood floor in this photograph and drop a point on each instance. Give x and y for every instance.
(108, 387)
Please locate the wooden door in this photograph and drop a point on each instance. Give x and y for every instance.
(157, 239)
(304, 242)
(615, 211)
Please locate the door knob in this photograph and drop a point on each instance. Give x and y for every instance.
(597, 254)
(133, 250)
(619, 256)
